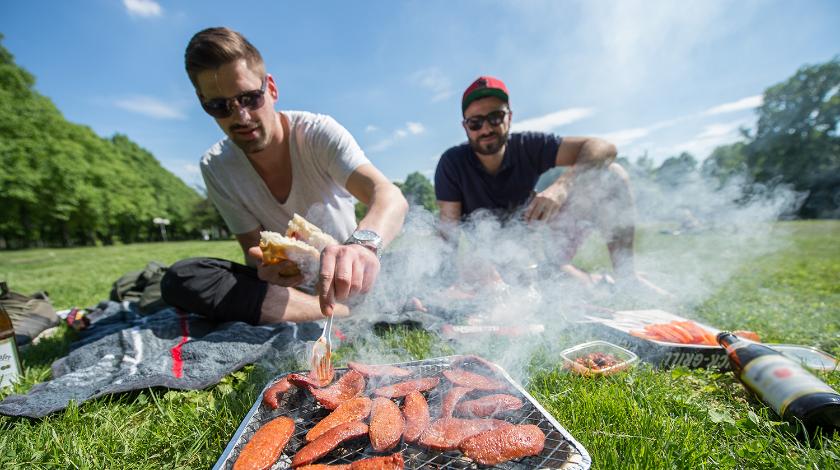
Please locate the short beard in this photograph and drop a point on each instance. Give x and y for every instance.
(491, 148)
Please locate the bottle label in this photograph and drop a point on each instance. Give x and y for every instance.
(9, 363)
(779, 381)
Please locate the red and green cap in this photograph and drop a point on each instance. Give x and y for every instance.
(483, 87)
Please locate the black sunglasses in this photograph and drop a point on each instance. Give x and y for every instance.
(222, 107)
(495, 118)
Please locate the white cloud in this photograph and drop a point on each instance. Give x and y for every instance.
(415, 127)
(434, 80)
(551, 121)
(191, 169)
(625, 136)
(151, 107)
(750, 102)
(143, 7)
(411, 128)
(371, 128)
(712, 135)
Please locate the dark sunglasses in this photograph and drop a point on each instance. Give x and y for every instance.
(222, 107)
(495, 118)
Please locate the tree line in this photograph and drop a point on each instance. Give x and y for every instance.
(62, 185)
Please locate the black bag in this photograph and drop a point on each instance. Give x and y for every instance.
(142, 287)
(30, 314)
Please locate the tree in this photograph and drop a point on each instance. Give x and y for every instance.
(676, 170)
(418, 190)
(797, 140)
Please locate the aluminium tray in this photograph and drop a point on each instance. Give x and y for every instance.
(561, 450)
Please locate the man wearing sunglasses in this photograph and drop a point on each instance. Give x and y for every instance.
(270, 166)
(497, 170)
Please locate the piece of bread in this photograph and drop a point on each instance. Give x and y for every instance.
(277, 248)
(301, 245)
(303, 230)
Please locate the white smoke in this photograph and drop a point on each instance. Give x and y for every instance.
(691, 239)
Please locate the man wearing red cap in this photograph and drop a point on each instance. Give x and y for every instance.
(497, 170)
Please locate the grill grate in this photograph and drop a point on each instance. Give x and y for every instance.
(561, 450)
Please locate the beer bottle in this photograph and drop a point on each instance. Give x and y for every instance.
(9, 359)
(783, 384)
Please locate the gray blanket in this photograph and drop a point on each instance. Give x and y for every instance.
(166, 349)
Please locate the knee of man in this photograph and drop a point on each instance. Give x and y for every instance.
(172, 282)
(617, 171)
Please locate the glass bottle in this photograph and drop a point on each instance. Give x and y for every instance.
(9, 358)
(783, 384)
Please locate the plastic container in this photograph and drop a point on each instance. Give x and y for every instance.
(809, 357)
(595, 351)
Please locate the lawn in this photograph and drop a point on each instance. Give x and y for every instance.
(644, 418)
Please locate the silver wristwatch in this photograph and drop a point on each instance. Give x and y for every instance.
(368, 239)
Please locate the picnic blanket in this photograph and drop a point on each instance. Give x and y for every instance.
(129, 351)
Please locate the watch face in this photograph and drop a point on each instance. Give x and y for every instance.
(365, 235)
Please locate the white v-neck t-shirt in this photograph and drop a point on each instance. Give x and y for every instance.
(323, 156)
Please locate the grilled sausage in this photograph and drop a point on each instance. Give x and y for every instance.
(321, 466)
(378, 370)
(489, 405)
(310, 380)
(416, 412)
(389, 462)
(354, 409)
(447, 433)
(452, 397)
(348, 386)
(465, 378)
(500, 445)
(266, 445)
(271, 396)
(402, 389)
(329, 441)
(386, 424)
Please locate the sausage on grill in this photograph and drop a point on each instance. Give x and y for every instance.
(447, 433)
(271, 396)
(389, 462)
(321, 466)
(465, 378)
(402, 389)
(500, 445)
(266, 445)
(489, 405)
(329, 441)
(348, 386)
(416, 412)
(310, 380)
(378, 370)
(452, 397)
(386, 424)
(354, 409)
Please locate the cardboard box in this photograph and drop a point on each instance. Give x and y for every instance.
(615, 326)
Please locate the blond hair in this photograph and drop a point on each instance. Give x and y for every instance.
(211, 48)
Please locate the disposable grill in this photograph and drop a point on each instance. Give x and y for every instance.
(561, 450)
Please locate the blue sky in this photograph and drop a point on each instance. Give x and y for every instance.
(652, 76)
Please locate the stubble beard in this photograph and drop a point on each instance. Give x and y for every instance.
(489, 148)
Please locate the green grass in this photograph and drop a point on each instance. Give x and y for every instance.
(643, 418)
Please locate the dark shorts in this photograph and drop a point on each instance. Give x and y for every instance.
(218, 289)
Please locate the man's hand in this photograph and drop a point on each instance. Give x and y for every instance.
(271, 273)
(547, 203)
(346, 270)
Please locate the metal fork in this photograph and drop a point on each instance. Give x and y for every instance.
(321, 357)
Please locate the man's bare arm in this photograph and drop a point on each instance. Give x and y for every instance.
(246, 241)
(585, 151)
(347, 270)
(577, 153)
(386, 204)
(450, 217)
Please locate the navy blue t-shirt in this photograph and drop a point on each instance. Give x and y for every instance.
(460, 177)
